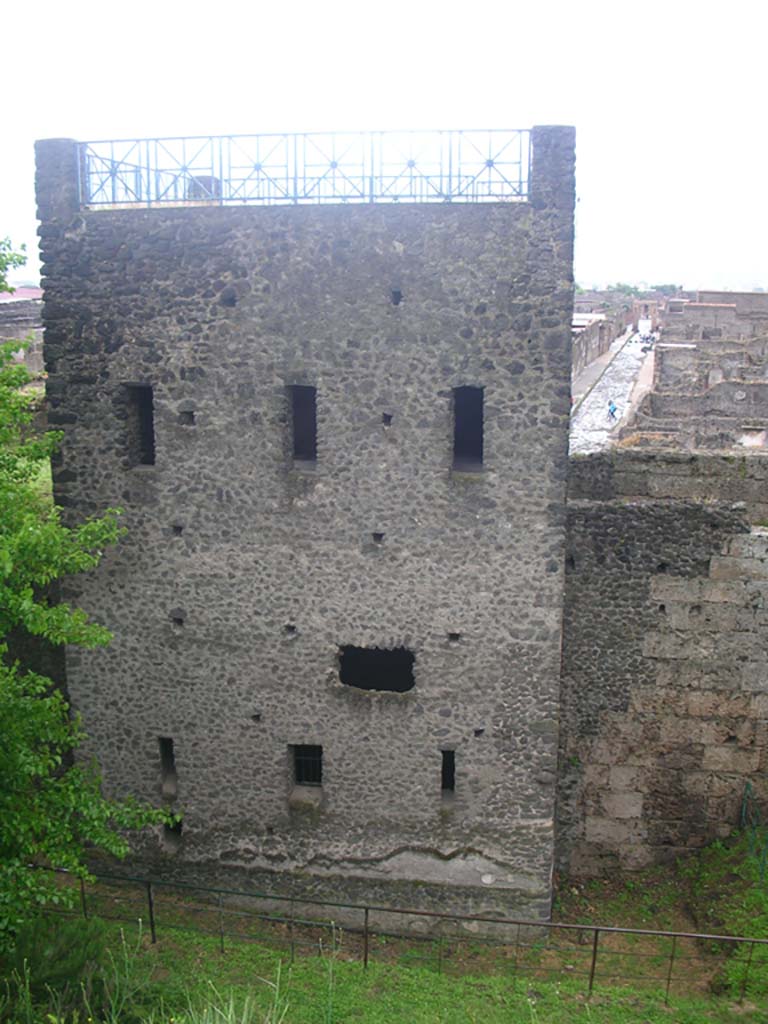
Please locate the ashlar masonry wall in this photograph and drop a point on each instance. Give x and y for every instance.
(243, 572)
(664, 712)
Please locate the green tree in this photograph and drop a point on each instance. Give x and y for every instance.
(8, 261)
(52, 811)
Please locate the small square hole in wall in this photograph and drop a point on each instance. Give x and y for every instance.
(386, 419)
(256, 717)
(177, 529)
(378, 538)
(397, 296)
(453, 638)
(479, 732)
(177, 616)
(187, 418)
(290, 630)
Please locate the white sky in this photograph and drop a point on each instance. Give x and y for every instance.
(668, 99)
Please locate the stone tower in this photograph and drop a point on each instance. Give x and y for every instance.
(338, 434)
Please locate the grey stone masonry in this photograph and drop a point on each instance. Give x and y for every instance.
(244, 571)
(664, 709)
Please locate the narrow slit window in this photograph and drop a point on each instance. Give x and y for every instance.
(172, 836)
(304, 420)
(141, 424)
(307, 765)
(167, 766)
(448, 773)
(467, 428)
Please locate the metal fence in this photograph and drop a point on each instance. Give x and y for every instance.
(457, 943)
(290, 169)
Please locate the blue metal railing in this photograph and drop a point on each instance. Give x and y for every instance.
(373, 167)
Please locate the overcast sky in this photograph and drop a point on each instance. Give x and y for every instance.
(668, 100)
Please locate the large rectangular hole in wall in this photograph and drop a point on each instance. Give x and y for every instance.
(467, 428)
(448, 772)
(304, 422)
(371, 668)
(140, 425)
(307, 765)
(167, 766)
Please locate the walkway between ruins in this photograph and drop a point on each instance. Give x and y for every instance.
(592, 427)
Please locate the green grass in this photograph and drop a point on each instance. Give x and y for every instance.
(188, 978)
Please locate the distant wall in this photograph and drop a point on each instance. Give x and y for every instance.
(22, 319)
(663, 699)
(591, 342)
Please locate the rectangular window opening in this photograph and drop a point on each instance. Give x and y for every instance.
(304, 418)
(467, 428)
(167, 766)
(374, 668)
(141, 424)
(448, 774)
(307, 765)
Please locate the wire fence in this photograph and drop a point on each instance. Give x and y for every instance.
(451, 943)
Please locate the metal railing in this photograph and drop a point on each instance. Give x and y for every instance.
(300, 169)
(664, 960)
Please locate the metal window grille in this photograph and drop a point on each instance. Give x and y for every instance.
(487, 165)
(308, 765)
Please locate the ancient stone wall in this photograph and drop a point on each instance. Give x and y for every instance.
(591, 341)
(664, 707)
(20, 319)
(244, 571)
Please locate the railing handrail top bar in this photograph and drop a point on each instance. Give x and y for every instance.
(304, 134)
(429, 913)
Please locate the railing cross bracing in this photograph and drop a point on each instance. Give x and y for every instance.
(489, 165)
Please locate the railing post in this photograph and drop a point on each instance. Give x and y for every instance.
(669, 972)
(746, 973)
(83, 902)
(594, 961)
(290, 928)
(221, 923)
(151, 906)
(365, 940)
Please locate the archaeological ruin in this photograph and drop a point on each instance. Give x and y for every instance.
(364, 640)
(338, 432)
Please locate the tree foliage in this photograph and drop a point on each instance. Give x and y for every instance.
(51, 809)
(9, 260)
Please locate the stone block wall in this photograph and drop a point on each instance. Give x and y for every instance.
(244, 572)
(664, 712)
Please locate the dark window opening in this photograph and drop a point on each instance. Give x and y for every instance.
(378, 538)
(453, 638)
(177, 620)
(662, 567)
(187, 418)
(141, 425)
(479, 732)
(371, 668)
(386, 419)
(397, 296)
(177, 529)
(307, 765)
(289, 629)
(448, 773)
(467, 428)
(167, 766)
(304, 413)
(172, 836)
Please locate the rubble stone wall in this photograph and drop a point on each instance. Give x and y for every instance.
(664, 709)
(242, 573)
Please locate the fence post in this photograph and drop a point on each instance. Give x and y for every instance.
(746, 973)
(151, 906)
(83, 902)
(221, 923)
(365, 940)
(594, 961)
(290, 928)
(669, 972)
